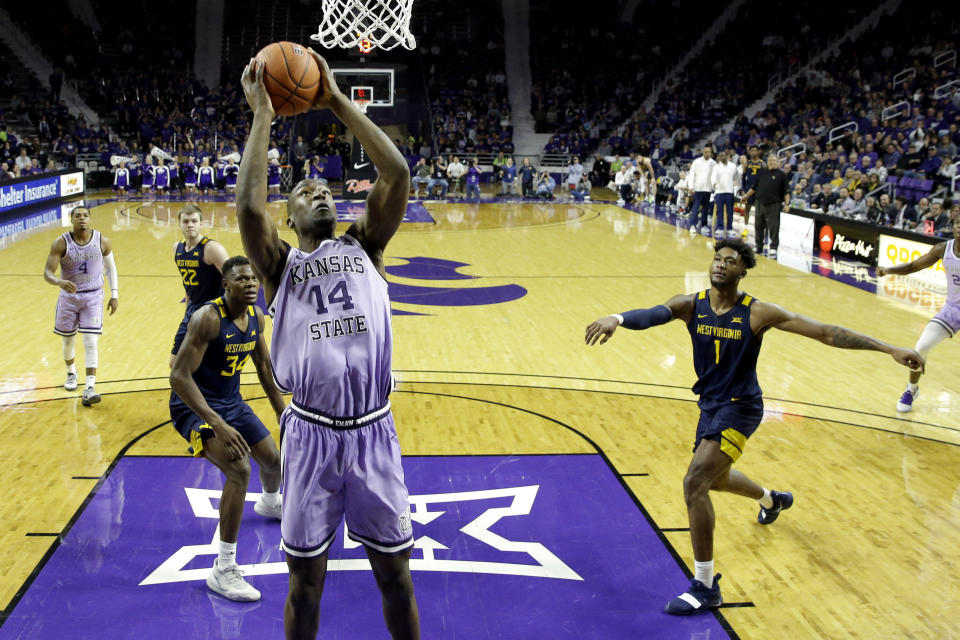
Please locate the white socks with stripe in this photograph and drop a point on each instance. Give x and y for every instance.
(703, 571)
(227, 556)
(767, 500)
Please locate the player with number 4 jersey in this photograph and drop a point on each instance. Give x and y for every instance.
(947, 321)
(727, 326)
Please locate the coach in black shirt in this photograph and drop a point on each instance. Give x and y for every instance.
(773, 192)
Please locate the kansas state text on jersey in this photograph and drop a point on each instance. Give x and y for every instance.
(332, 335)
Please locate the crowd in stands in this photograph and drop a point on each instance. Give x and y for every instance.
(587, 79)
(464, 65)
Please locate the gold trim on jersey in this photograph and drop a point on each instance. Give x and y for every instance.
(221, 307)
(732, 443)
(701, 295)
(196, 440)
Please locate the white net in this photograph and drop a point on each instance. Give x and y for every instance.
(367, 24)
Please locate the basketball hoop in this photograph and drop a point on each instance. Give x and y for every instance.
(361, 105)
(366, 24)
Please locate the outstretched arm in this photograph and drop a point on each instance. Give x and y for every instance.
(204, 326)
(261, 242)
(387, 201)
(928, 259)
(678, 307)
(261, 360)
(766, 316)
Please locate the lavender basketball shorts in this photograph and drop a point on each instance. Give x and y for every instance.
(342, 468)
(82, 310)
(948, 318)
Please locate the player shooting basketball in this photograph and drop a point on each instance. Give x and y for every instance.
(726, 326)
(332, 347)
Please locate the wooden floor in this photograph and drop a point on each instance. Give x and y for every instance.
(869, 551)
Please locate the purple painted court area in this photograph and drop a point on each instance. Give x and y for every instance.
(510, 547)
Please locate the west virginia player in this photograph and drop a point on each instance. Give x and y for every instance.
(200, 261)
(207, 410)
(726, 326)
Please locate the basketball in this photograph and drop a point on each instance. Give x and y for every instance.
(291, 76)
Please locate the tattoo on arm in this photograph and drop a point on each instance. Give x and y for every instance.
(846, 339)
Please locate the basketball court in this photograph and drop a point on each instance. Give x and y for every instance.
(545, 476)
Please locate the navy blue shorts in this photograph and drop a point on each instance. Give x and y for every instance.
(195, 431)
(182, 329)
(730, 425)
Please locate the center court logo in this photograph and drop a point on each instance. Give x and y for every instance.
(496, 554)
(826, 238)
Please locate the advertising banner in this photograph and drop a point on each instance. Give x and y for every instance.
(360, 174)
(24, 194)
(895, 251)
(71, 184)
(843, 240)
(796, 241)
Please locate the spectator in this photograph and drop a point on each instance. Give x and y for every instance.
(600, 173)
(905, 216)
(473, 179)
(700, 179)
(299, 157)
(56, 82)
(874, 212)
(23, 161)
(726, 176)
(421, 176)
(931, 164)
(935, 218)
(498, 163)
(582, 190)
(509, 180)
(923, 210)
(844, 203)
(545, 186)
(622, 180)
(438, 177)
(527, 175)
(574, 173)
(945, 229)
(455, 171)
(859, 209)
(888, 211)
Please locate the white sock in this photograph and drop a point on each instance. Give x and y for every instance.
(228, 555)
(270, 499)
(767, 500)
(703, 571)
(913, 386)
(72, 368)
(91, 381)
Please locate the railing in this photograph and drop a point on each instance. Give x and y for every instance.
(945, 89)
(945, 58)
(894, 110)
(843, 131)
(904, 76)
(773, 81)
(888, 187)
(786, 150)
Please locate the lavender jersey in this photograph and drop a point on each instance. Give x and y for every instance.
(951, 264)
(83, 264)
(332, 335)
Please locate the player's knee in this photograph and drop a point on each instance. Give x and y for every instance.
(238, 470)
(695, 484)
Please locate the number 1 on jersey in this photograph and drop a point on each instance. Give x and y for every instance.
(717, 343)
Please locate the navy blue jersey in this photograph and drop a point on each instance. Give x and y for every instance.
(725, 355)
(218, 376)
(202, 282)
(750, 174)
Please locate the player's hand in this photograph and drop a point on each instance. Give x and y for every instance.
(112, 305)
(602, 327)
(253, 88)
(881, 271)
(68, 286)
(329, 85)
(908, 358)
(232, 441)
